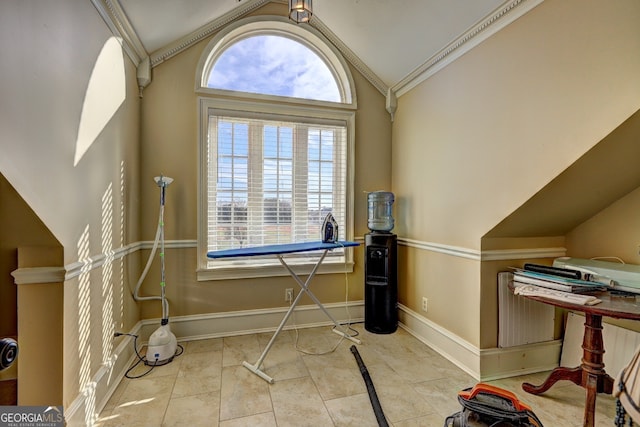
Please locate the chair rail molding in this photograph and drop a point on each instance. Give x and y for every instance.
(31, 275)
(486, 255)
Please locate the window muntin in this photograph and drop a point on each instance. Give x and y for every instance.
(273, 180)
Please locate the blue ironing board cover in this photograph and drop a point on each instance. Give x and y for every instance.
(284, 248)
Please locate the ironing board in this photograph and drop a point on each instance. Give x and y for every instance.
(279, 251)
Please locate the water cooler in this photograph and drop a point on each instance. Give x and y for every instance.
(381, 267)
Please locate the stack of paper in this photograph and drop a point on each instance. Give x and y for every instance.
(554, 278)
(533, 290)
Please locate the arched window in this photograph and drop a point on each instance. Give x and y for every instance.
(272, 57)
(274, 65)
(276, 145)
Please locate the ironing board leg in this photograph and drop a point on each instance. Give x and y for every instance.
(305, 288)
(255, 368)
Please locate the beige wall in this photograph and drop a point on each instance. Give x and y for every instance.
(61, 71)
(50, 52)
(170, 147)
(614, 232)
(481, 136)
(40, 329)
(19, 226)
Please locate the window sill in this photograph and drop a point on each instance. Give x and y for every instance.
(264, 270)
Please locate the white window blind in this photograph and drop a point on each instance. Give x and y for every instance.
(273, 179)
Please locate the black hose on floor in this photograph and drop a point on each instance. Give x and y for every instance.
(377, 408)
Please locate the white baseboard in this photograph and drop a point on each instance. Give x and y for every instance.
(189, 328)
(481, 364)
(85, 408)
(460, 352)
(519, 360)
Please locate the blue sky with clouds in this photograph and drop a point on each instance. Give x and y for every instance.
(274, 65)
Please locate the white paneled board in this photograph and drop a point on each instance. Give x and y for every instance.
(521, 321)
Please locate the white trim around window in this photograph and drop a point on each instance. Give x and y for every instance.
(267, 267)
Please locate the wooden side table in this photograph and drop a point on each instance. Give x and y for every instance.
(591, 373)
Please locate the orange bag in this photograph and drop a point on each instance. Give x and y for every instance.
(487, 405)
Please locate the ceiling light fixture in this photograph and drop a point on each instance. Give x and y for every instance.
(300, 10)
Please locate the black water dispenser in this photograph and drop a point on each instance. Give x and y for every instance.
(380, 268)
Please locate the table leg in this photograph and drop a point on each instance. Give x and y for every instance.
(590, 375)
(594, 377)
(570, 374)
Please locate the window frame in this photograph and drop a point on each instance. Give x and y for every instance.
(243, 267)
(251, 103)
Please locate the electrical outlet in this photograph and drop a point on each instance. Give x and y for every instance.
(288, 295)
(424, 304)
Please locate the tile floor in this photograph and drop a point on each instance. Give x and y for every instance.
(208, 386)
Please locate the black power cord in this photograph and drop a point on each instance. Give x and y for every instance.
(373, 396)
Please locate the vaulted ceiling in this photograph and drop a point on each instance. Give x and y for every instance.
(395, 43)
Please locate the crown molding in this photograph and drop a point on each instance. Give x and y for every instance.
(189, 40)
(117, 21)
(486, 27)
(351, 57)
(491, 24)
